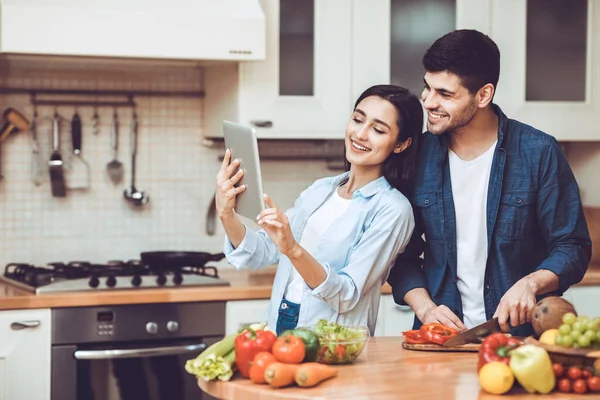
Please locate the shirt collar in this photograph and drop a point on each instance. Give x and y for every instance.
(370, 189)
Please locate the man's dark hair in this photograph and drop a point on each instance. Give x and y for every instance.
(467, 53)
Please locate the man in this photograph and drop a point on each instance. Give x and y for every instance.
(495, 198)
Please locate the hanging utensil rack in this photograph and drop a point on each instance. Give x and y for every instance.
(129, 96)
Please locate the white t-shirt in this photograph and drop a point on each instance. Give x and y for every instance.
(470, 181)
(316, 225)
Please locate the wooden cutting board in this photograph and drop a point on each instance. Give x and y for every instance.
(471, 347)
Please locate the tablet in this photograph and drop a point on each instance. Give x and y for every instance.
(241, 140)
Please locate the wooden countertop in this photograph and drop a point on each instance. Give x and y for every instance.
(245, 285)
(386, 371)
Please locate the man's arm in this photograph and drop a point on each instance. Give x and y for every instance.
(427, 311)
(564, 230)
(409, 285)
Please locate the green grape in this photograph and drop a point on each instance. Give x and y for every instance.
(576, 346)
(584, 341)
(583, 318)
(598, 336)
(586, 325)
(567, 341)
(590, 334)
(564, 329)
(577, 326)
(575, 334)
(558, 340)
(596, 323)
(569, 318)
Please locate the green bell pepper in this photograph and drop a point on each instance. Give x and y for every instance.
(310, 339)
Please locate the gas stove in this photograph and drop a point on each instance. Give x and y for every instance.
(134, 274)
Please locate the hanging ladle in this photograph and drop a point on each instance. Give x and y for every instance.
(132, 194)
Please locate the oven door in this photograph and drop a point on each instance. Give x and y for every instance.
(126, 371)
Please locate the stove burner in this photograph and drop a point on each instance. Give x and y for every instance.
(117, 274)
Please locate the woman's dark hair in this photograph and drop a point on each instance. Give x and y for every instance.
(468, 54)
(399, 168)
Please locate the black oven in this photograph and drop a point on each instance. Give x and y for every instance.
(131, 352)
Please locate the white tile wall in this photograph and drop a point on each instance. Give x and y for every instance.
(173, 166)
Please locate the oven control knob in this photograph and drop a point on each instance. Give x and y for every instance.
(136, 280)
(177, 279)
(111, 281)
(94, 282)
(152, 328)
(172, 326)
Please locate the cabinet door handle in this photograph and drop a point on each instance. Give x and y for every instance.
(262, 123)
(17, 326)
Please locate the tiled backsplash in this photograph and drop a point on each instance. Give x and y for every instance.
(173, 166)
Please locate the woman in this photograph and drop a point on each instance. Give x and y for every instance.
(336, 246)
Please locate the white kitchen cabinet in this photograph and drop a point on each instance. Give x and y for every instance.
(550, 64)
(585, 299)
(393, 319)
(302, 88)
(244, 312)
(25, 347)
(390, 37)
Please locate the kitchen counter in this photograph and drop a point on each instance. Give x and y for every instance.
(386, 371)
(245, 285)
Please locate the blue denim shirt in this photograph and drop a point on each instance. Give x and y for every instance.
(534, 220)
(357, 252)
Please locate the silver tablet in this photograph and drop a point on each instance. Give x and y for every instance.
(241, 140)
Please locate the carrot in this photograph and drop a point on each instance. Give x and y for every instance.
(279, 374)
(312, 373)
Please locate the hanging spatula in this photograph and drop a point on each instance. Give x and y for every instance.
(57, 178)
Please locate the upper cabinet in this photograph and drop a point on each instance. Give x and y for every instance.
(302, 88)
(390, 37)
(550, 64)
(322, 54)
(225, 30)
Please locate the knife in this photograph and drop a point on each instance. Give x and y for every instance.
(475, 334)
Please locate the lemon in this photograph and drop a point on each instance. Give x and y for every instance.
(549, 336)
(496, 377)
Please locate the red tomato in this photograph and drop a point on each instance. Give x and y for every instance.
(260, 362)
(579, 386)
(585, 373)
(558, 370)
(564, 385)
(594, 384)
(574, 373)
(340, 351)
(289, 349)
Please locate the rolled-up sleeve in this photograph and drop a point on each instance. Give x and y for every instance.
(562, 221)
(256, 250)
(369, 261)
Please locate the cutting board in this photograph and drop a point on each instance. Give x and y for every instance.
(471, 347)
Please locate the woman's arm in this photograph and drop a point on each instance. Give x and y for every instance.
(380, 243)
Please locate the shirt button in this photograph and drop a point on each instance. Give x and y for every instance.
(284, 306)
(487, 287)
(519, 201)
(426, 201)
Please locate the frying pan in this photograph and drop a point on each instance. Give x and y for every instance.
(167, 259)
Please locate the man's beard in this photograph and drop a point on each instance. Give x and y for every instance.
(459, 120)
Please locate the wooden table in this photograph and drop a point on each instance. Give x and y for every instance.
(386, 371)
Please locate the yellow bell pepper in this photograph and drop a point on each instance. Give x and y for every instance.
(533, 368)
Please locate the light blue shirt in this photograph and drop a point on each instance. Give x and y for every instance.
(357, 252)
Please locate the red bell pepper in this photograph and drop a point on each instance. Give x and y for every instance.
(496, 347)
(414, 337)
(436, 333)
(248, 344)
